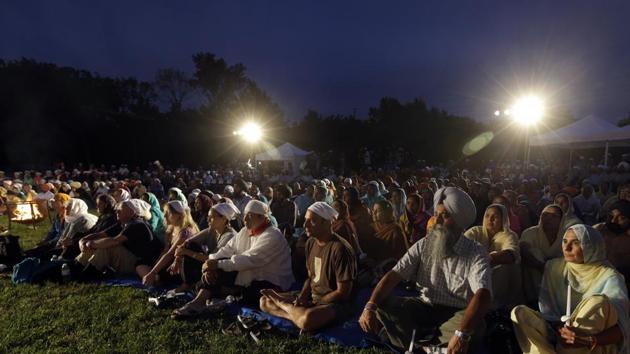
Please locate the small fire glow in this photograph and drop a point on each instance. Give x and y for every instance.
(26, 212)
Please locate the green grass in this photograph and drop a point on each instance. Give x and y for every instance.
(98, 319)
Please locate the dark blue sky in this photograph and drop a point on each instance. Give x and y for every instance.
(468, 57)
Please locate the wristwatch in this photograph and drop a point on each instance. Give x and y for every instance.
(463, 335)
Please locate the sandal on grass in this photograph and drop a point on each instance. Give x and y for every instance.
(233, 329)
(248, 323)
(189, 311)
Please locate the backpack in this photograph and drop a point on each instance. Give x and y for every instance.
(10, 250)
(34, 271)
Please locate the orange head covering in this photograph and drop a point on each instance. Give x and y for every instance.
(62, 197)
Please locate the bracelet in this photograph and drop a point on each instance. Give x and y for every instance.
(370, 306)
(465, 336)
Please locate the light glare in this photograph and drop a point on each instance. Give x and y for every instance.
(528, 110)
(250, 132)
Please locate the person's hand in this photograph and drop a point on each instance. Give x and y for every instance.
(181, 251)
(457, 345)
(174, 268)
(368, 322)
(66, 242)
(570, 339)
(303, 300)
(208, 265)
(149, 279)
(82, 247)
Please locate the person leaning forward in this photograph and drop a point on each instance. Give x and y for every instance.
(454, 275)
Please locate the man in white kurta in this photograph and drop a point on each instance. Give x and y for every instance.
(257, 258)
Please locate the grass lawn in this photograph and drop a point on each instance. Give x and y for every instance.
(98, 319)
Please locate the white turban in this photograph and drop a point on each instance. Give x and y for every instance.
(139, 207)
(458, 203)
(324, 210)
(216, 197)
(228, 210)
(257, 207)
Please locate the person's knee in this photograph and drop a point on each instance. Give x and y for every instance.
(305, 321)
(519, 313)
(313, 320)
(264, 303)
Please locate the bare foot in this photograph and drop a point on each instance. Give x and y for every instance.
(277, 298)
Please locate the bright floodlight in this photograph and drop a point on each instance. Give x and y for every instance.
(251, 132)
(528, 110)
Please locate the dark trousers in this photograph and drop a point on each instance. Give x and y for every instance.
(224, 285)
(400, 315)
(191, 268)
(43, 252)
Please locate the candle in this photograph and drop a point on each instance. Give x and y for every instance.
(569, 300)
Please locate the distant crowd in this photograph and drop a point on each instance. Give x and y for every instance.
(548, 245)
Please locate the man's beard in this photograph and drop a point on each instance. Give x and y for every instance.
(616, 228)
(440, 243)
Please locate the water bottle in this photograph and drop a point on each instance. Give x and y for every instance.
(65, 273)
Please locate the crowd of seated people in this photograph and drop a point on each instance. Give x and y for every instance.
(468, 242)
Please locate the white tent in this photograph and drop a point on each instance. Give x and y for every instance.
(586, 133)
(291, 155)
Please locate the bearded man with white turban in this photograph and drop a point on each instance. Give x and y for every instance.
(257, 258)
(327, 294)
(132, 251)
(454, 276)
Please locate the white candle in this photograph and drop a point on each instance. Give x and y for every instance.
(568, 301)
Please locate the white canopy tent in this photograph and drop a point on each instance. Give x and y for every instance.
(291, 156)
(586, 133)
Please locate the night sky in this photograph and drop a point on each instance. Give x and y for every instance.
(468, 57)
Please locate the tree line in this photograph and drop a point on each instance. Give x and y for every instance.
(50, 113)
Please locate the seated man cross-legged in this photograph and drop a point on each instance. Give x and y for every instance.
(133, 251)
(328, 291)
(454, 275)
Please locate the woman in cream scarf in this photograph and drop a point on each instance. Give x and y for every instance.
(594, 319)
(502, 245)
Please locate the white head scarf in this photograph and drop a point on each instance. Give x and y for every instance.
(257, 207)
(324, 210)
(458, 203)
(139, 207)
(228, 210)
(75, 209)
(178, 206)
(124, 195)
